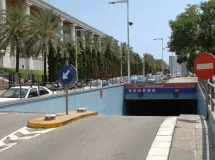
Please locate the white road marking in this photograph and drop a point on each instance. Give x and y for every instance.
(12, 139)
(205, 66)
(161, 145)
(3, 113)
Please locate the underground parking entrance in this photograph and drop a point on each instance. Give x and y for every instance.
(167, 107)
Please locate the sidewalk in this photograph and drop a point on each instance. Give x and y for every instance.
(192, 139)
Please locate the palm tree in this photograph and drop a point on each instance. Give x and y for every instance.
(45, 35)
(14, 28)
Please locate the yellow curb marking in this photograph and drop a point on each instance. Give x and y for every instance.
(60, 121)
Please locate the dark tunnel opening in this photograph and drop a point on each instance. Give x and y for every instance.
(160, 107)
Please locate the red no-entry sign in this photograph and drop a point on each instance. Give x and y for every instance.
(204, 66)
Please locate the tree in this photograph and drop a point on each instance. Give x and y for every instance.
(14, 28)
(45, 35)
(184, 38)
(206, 26)
(193, 32)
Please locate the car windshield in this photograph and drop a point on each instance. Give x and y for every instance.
(15, 93)
(114, 81)
(141, 79)
(94, 83)
(152, 77)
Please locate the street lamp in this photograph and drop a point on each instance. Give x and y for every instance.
(162, 53)
(128, 24)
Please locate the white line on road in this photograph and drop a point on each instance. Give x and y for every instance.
(19, 136)
(205, 66)
(161, 145)
(3, 113)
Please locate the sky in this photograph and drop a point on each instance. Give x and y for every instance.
(150, 20)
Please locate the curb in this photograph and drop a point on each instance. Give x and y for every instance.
(40, 123)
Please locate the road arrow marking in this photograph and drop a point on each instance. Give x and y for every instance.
(65, 75)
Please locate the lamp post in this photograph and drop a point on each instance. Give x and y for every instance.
(162, 53)
(128, 40)
(121, 62)
(144, 65)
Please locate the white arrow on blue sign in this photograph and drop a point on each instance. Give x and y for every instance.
(66, 76)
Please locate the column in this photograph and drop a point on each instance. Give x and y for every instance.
(27, 8)
(100, 43)
(82, 35)
(27, 12)
(61, 31)
(72, 32)
(3, 8)
(92, 40)
(2, 5)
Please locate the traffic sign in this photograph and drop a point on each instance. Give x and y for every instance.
(67, 75)
(204, 66)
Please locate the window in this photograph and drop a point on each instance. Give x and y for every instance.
(33, 93)
(43, 91)
(15, 93)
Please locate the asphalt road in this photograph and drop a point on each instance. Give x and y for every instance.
(96, 138)
(14, 121)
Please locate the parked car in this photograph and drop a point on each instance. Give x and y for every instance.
(141, 80)
(178, 75)
(93, 84)
(80, 84)
(124, 79)
(152, 79)
(114, 81)
(55, 86)
(14, 93)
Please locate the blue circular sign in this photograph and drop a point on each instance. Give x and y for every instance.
(65, 75)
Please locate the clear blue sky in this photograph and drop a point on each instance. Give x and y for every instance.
(150, 18)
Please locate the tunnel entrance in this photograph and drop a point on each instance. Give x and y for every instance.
(160, 107)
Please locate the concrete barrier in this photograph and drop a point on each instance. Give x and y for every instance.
(110, 103)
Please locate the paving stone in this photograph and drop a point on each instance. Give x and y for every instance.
(184, 138)
(182, 124)
(182, 154)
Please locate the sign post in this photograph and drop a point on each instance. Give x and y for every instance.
(204, 68)
(67, 77)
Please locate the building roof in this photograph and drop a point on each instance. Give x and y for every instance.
(66, 16)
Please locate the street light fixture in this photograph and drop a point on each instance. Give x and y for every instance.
(162, 53)
(128, 24)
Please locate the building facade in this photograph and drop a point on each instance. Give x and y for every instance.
(174, 66)
(76, 31)
(184, 70)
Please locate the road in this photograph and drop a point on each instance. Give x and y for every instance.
(11, 122)
(96, 138)
(183, 80)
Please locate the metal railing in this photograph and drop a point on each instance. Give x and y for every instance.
(208, 89)
(57, 88)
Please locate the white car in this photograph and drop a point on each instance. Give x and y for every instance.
(96, 84)
(26, 92)
(93, 84)
(178, 75)
(152, 79)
